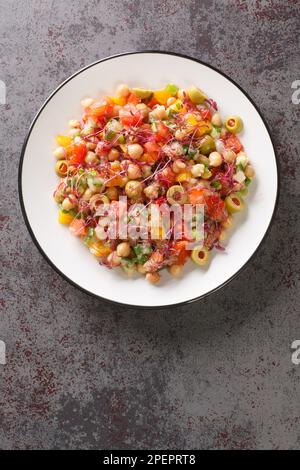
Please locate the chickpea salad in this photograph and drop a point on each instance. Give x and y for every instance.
(164, 148)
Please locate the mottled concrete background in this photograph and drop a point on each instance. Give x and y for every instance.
(81, 373)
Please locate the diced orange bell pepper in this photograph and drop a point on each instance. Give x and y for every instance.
(64, 218)
(116, 180)
(99, 249)
(204, 127)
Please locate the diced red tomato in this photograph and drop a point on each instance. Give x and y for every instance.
(152, 147)
(232, 142)
(166, 177)
(160, 200)
(215, 207)
(182, 253)
(163, 132)
(196, 196)
(100, 110)
(132, 120)
(206, 114)
(77, 227)
(153, 102)
(133, 99)
(78, 153)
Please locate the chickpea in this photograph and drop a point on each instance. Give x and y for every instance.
(179, 134)
(124, 181)
(216, 120)
(58, 196)
(91, 157)
(60, 153)
(74, 123)
(153, 278)
(91, 146)
(135, 150)
(143, 109)
(141, 269)
(175, 270)
(67, 205)
(198, 169)
(115, 126)
(171, 101)
(87, 102)
(228, 222)
(133, 189)
(159, 112)
(112, 193)
(181, 94)
(122, 90)
(215, 159)
(146, 170)
(74, 132)
(151, 192)
(116, 110)
(114, 259)
(113, 155)
(229, 156)
(249, 171)
(134, 171)
(178, 166)
(123, 249)
(88, 193)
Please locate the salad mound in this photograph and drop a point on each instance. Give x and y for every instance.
(162, 148)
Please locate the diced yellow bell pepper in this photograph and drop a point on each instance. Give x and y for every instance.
(191, 119)
(120, 100)
(161, 96)
(98, 249)
(186, 176)
(64, 218)
(63, 140)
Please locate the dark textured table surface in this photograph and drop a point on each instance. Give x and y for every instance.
(82, 373)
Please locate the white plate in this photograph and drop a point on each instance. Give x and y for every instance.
(37, 179)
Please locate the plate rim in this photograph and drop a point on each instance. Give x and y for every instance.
(73, 283)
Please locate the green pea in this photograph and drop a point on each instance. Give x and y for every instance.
(234, 124)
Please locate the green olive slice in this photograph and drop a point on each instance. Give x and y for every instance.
(142, 93)
(234, 203)
(176, 195)
(196, 95)
(200, 256)
(61, 168)
(234, 124)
